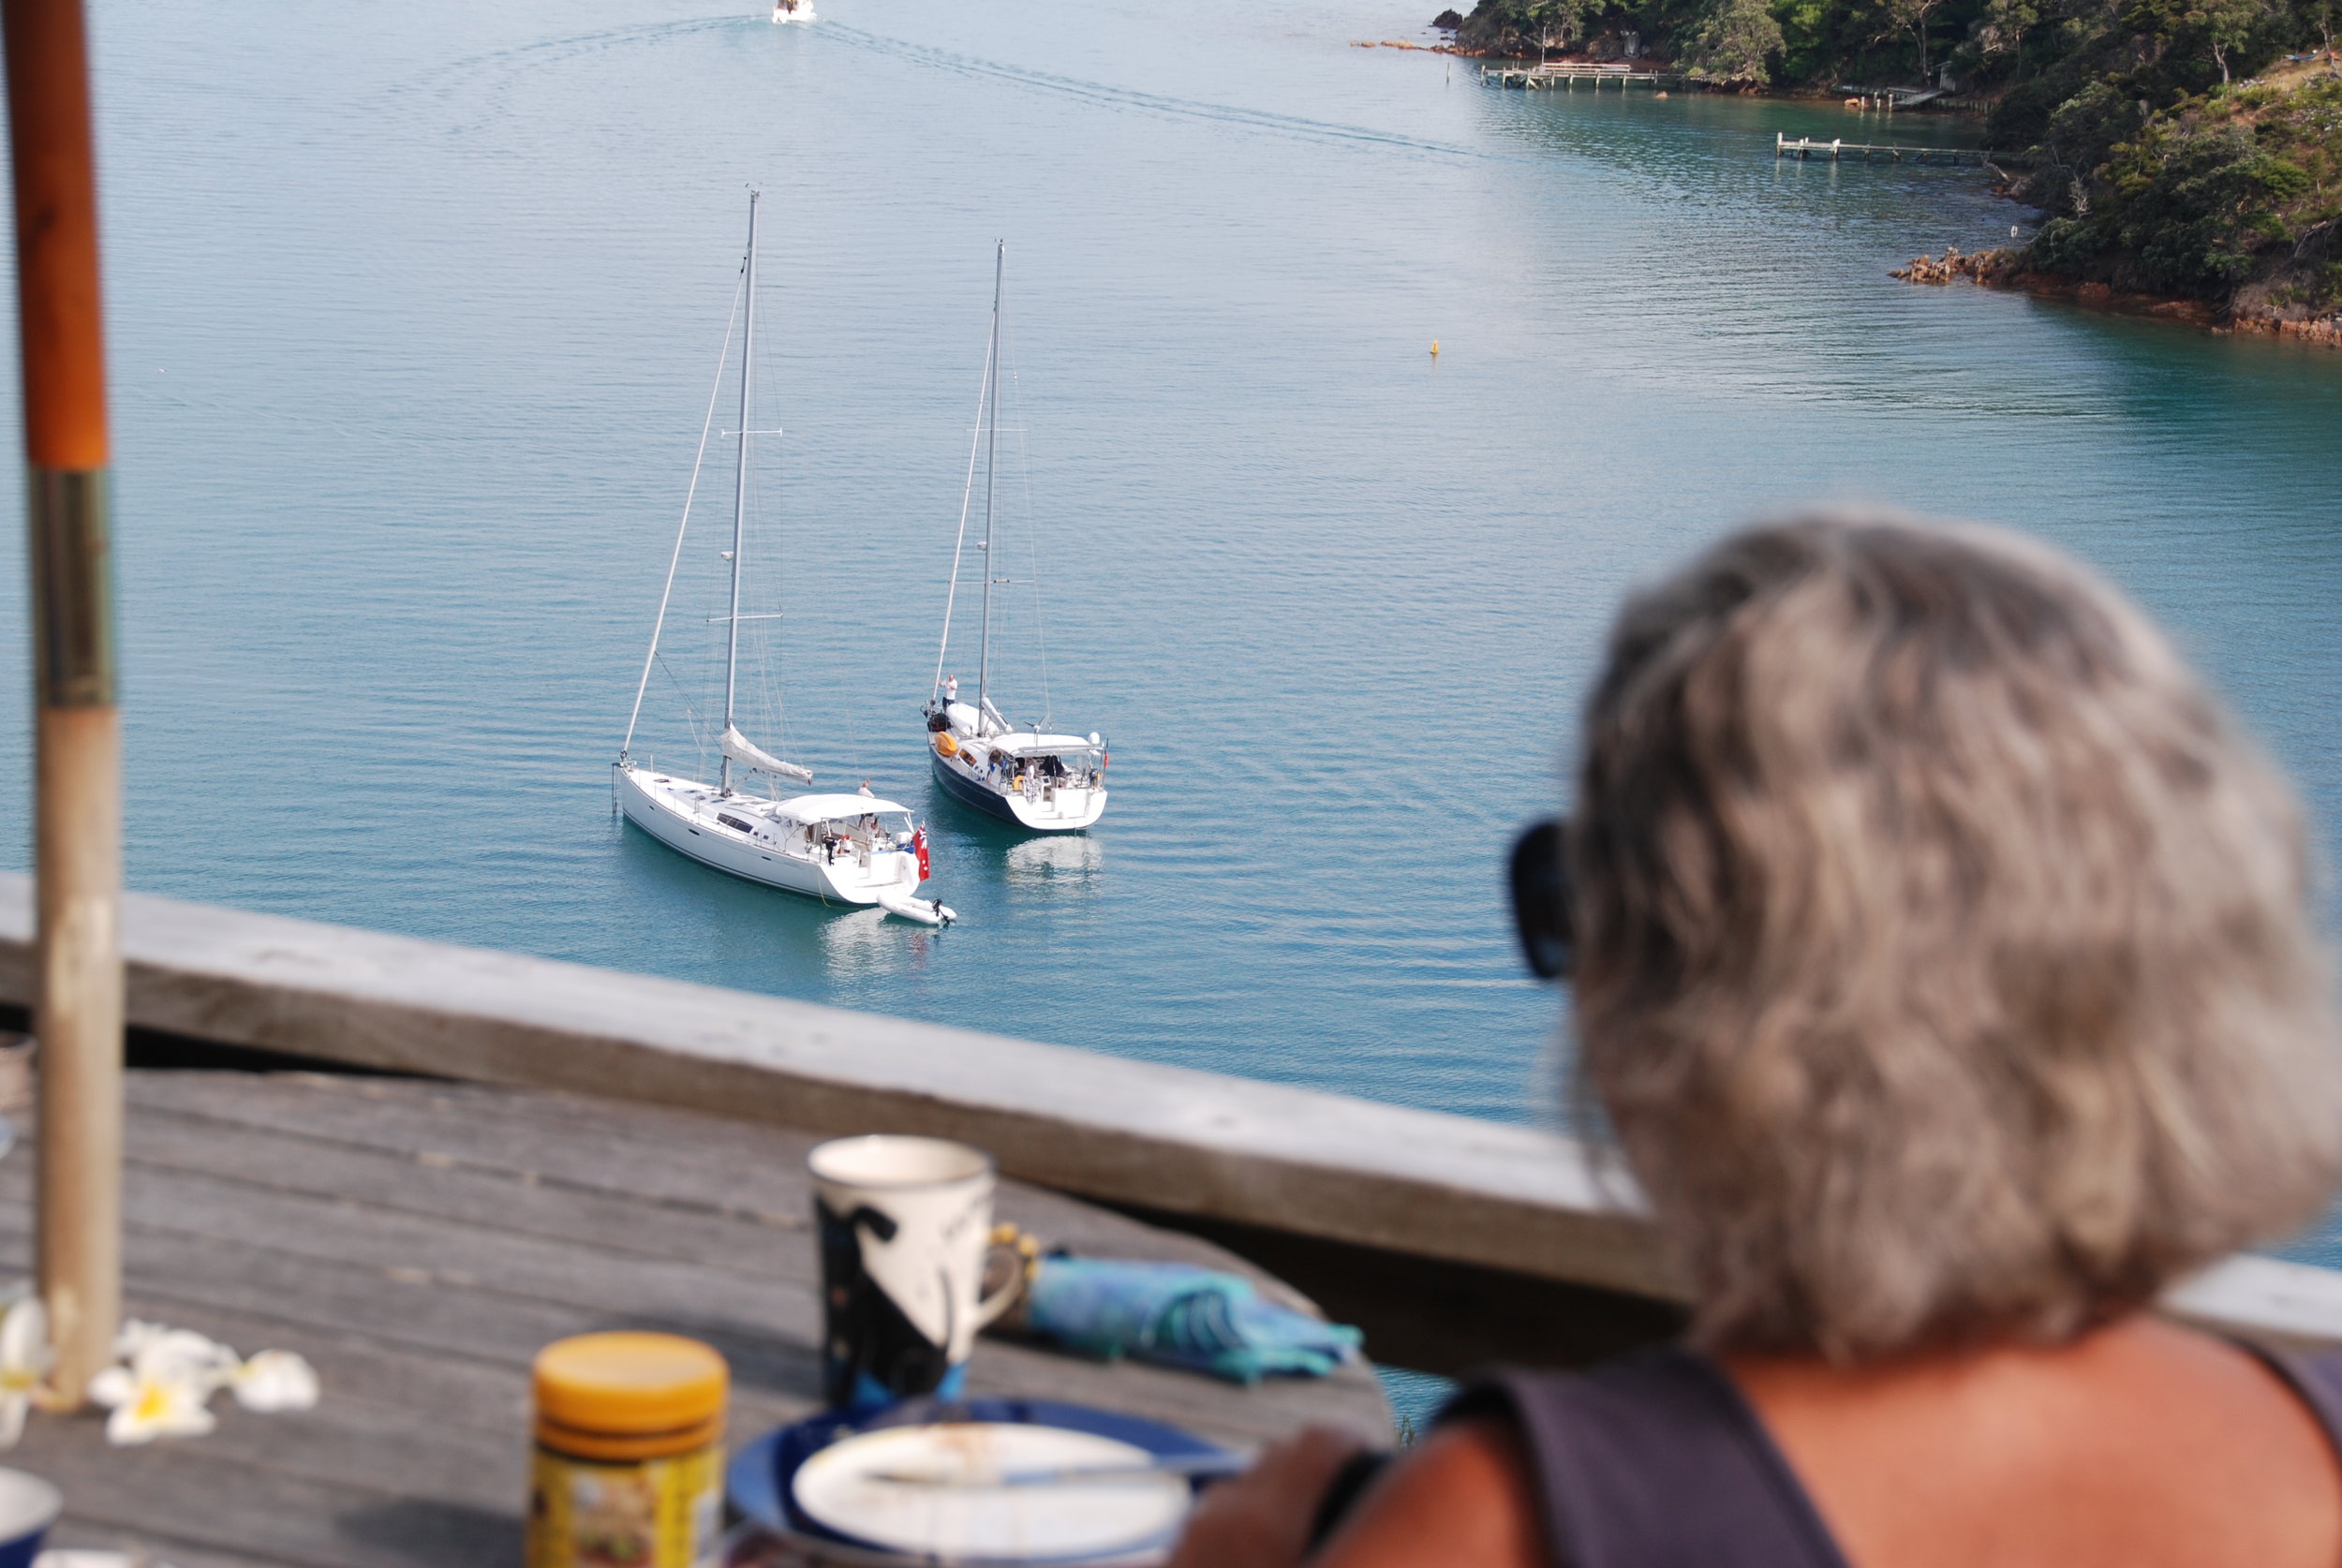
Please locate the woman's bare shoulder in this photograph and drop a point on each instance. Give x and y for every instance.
(1461, 1498)
(2142, 1443)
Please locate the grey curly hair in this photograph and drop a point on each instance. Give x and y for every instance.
(1945, 963)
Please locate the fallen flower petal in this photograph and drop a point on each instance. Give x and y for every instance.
(25, 1360)
(181, 1355)
(149, 1407)
(135, 1333)
(275, 1380)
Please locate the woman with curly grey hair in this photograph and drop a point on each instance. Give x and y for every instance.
(1944, 971)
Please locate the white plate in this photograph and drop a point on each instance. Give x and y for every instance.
(1068, 1523)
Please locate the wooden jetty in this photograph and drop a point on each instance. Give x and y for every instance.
(418, 1240)
(1890, 99)
(1568, 75)
(1837, 151)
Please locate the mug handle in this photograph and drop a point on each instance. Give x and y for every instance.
(990, 1310)
(1026, 1253)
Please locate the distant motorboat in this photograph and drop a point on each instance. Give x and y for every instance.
(793, 10)
(849, 849)
(1034, 778)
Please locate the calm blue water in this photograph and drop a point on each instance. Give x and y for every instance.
(414, 311)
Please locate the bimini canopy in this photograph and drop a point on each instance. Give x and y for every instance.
(742, 750)
(1026, 744)
(829, 808)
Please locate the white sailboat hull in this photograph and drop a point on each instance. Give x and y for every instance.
(683, 814)
(1043, 809)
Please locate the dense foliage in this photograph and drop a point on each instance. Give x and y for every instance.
(2164, 166)
(2036, 55)
(2234, 195)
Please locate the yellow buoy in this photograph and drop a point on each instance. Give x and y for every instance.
(1435, 347)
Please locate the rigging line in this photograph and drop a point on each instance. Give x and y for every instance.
(706, 424)
(1033, 544)
(691, 713)
(771, 655)
(976, 441)
(689, 716)
(766, 639)
(859, 764)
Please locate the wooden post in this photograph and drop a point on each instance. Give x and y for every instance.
(78, 739)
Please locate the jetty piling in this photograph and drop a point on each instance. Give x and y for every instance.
(1568, 74)
(1837, 150)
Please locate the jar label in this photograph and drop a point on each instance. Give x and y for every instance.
(648, 1514)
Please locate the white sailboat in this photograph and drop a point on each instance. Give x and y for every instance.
(1032, 778)
(849, 849)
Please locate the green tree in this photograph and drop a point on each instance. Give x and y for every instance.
(2227, 25)
(1510, 25)
(1910, 16)
(2000, 31)
(1736, 41)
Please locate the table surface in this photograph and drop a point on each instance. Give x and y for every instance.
(419, 1241)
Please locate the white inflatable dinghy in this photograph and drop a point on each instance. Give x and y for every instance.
(926, 912)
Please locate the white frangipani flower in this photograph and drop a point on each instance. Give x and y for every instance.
(166, 1388)
(275, 1380)
(163, 1398)
(152, 1349)
(25, 1360)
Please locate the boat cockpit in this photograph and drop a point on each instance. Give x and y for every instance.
(1027, 763)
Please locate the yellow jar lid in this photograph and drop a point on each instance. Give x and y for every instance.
(626, 1384)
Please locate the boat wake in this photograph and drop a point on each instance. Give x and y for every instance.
(483, 82)
(1152, 103)
(466, 80)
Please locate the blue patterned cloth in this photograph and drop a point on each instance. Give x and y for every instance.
(1180, 1315)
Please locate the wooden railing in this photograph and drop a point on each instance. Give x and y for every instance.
(1452, 1240)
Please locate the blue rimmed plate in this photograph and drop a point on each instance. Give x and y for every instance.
(817, 1481)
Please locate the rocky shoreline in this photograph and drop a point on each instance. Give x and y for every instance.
(2005, 269)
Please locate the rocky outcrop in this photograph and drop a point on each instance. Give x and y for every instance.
(2007, 269)
(1983, 267)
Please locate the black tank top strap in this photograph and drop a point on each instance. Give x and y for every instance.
(1655, 1462)
(2315, 1377)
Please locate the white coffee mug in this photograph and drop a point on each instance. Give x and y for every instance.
(905, 1224)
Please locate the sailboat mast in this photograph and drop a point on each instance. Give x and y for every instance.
(740, 494)
(991, 455)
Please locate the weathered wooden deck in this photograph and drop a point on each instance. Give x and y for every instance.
(420, 1240)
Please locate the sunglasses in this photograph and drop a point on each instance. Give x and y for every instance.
(1539, 878)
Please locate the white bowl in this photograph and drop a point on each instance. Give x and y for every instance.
(29, 1506)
